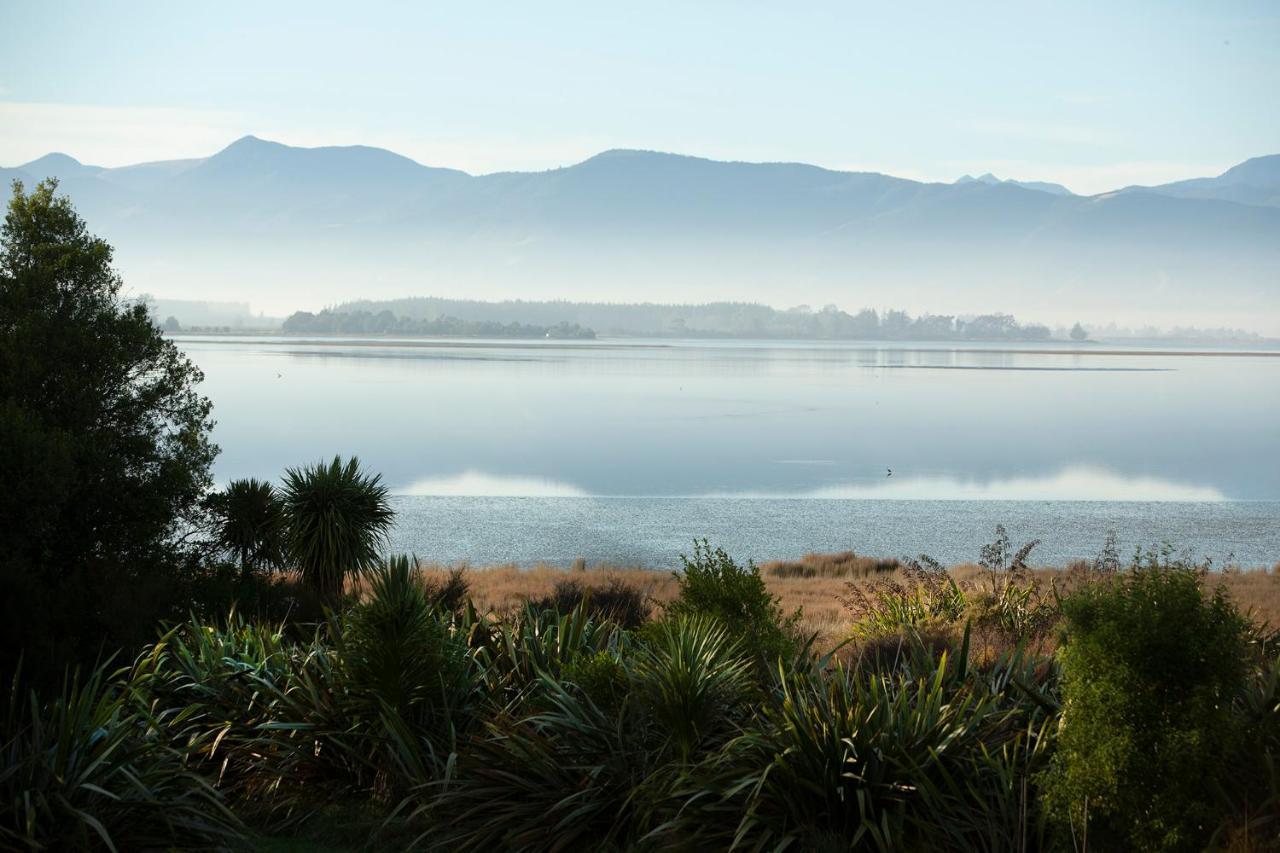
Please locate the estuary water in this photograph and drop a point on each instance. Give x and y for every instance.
(624, 450)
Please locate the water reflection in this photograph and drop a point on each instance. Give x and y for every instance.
(480, 484)
(733, 418)
(1071, 484)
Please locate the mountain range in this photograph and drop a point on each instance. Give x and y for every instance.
(286, 228)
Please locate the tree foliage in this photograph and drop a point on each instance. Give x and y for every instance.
(249, 524)
(1151, 666)
(104, 442)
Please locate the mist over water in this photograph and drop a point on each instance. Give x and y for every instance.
(776, 448)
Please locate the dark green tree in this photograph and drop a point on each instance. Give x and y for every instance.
(249, 524)
(338, 518)
(1078, 333)
(104, 444)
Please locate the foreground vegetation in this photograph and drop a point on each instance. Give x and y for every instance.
(598, 718)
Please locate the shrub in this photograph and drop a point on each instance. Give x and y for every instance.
(601, 677)
(452, 593)
(930, 597)
(712, 584)
(1151, 666)
(1010, 607)
(409, 685)
(399, 654)
(618, 602)
(563, 778)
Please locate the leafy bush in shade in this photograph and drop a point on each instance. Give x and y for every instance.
(616, 601)
(574, 773)
(338, 517)
(1152, 665)
(711, 584)
(452, 593)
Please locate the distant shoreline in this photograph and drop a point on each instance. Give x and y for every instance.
(275, 338)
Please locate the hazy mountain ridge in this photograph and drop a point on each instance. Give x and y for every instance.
(1255, 181)
(992, 180)
(295, 227)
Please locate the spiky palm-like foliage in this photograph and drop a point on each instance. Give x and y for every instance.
(250, 523)
(572, 772)
(878, 761)
(338, 519)
(92, 767)
(693, 679)
(513, 654)
(408, 675)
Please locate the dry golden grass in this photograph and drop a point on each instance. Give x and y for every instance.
(1255, 592)
(844, 564)
(814, 585)
(501, 589)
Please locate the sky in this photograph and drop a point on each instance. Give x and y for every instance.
(1094, 95)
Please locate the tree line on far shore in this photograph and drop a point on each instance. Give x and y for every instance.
(711, 320)
(384, 322)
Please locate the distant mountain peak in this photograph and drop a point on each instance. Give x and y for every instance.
(54, 158)
(58, 165)
(991, 180)
(985, 178)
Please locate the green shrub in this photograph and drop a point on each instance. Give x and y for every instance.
(1250, 784)
(514, 653)
(929, 598)
(711, 584)
(571, 772)
(399, 653)
(566, 777)
(1151, 666)
(601, 677)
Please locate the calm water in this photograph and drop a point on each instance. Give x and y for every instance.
(623, 451)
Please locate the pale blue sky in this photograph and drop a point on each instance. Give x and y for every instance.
(1092, 94)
